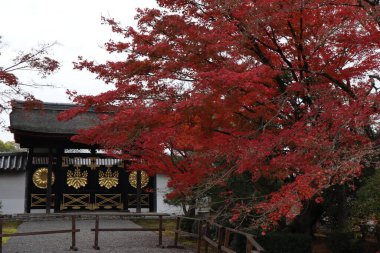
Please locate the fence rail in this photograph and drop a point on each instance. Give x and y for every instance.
(160, 228)
(73, 232)
(208, 233)
(73, 217)
(223, 236)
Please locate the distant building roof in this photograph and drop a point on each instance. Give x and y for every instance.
(13, 161)
(44, 120)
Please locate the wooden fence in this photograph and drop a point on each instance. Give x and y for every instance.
(212, 235)
(73, 232)
(159, 229)
(221, 240)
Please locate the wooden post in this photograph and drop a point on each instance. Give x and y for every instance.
(248, 247)
(138, 191)
(176, 232)
(59, 183)
(160, 232)
(154, 195)
(73, 234)
(96, 243)
(227, 238)
(206, 234)
(363, 231)
(124, 176)
(220, 239)
(1, 232)
(199, 246)
(49, 179)
(28, 180)
(377, 234)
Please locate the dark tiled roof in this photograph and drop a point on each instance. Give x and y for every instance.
(44, 120)
(13, 162)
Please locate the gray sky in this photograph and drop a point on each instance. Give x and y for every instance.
(75, 25)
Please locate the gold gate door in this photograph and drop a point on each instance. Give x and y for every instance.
(91, 183)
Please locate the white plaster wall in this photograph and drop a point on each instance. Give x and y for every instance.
(162, 190)
(12, 192)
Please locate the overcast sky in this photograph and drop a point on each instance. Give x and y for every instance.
(75, 25)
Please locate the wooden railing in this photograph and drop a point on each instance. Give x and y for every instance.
(178, 231)
(160, 227)
(221, 241)
(73, 217)
(212, 235)
(73, 232)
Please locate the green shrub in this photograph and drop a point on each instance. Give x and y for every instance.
(345, 242)
(213, 233)
(194, 227)
(340, 242)
(365, 206)
(278, 242)
(238, 243)
(187, 225)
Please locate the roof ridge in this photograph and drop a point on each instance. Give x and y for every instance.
(13, 152)
(53, 106)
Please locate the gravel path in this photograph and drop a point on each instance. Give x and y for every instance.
(112, 242)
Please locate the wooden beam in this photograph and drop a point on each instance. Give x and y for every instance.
(59, 182)
(49, 181)
(29, 182)
(138, 191)
(153, 202)
(124, 180)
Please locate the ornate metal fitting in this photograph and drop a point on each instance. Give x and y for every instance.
(133, 179)
(40, 178)
(77, 178)
(108, 179)
(93, 164)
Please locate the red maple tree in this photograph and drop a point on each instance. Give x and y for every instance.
(36, 59)
(286, 90)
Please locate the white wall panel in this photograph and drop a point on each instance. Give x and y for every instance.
(162, 190)
(12, 192)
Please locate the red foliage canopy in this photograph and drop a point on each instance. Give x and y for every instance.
(34, 60)
(282, 89)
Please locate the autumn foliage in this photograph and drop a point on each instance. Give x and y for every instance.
(207, 89)
(37, 60)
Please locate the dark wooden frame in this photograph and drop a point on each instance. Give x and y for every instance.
(73, 232)
(28, 181)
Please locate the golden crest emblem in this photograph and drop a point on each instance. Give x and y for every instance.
(40, 178)
(108, 179)
(133, 179)
(77, 178)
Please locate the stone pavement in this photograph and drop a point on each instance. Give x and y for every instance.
(112, 242)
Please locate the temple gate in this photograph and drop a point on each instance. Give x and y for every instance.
(66, 176)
